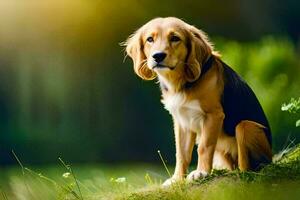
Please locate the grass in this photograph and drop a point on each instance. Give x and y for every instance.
(95, 181)
(279, 180)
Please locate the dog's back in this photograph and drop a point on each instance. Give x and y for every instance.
(240, 103)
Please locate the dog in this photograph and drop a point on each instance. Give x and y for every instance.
(210, 104)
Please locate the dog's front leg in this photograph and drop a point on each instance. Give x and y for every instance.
(185, 141)
(212, 128)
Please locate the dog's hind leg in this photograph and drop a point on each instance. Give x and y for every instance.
(254, 150)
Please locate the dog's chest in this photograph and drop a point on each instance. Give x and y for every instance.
(188, 113)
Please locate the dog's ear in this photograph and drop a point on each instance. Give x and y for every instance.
(135, 50)
(199, 50)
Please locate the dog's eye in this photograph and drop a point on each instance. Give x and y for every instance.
(174, 38)
(150, 39)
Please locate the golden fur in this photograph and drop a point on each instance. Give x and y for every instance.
(197, 112)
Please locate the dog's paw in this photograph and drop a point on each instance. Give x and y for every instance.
(195, 175)
(170, 181)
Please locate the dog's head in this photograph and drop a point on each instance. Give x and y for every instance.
(168, 46)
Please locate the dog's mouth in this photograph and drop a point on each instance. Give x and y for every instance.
(160, 66)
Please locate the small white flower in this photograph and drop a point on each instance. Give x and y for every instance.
(66, 175)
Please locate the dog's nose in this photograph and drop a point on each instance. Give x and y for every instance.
(159, 56)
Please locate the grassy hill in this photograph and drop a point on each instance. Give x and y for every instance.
(279, 180)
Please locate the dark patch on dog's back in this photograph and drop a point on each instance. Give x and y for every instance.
(240, 103)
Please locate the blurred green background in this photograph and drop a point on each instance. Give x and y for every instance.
(65, 90)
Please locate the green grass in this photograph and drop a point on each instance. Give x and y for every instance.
(280, 180)
(95, 181)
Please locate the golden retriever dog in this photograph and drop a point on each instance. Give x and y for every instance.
(211, 105)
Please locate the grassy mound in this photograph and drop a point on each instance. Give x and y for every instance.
(279, 180)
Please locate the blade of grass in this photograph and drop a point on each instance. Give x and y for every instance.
(164, 163)
(23, 172)
(19, 162)
(41, 176)
(68, 167)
